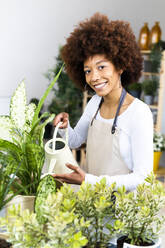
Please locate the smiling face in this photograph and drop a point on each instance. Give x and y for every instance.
(101, 75)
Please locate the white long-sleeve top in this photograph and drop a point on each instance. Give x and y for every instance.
(136, 141)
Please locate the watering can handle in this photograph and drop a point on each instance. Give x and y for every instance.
(55, 135)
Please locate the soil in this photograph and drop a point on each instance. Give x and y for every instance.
(4, 244)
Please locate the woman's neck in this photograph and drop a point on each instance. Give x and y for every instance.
(112, 99)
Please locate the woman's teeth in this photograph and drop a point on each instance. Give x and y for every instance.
(98, 86)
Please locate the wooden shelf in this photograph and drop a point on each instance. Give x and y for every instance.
(153, 106)
(150, 73)
(145, 51)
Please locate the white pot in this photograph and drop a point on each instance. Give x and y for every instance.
(25, 202)
(156, 245)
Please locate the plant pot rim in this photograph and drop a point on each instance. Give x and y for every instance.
(155, 245)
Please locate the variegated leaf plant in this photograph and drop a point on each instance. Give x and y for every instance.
(21, 139)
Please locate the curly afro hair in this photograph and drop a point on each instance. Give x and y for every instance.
(98, 35)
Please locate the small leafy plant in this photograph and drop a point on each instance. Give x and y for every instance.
(150, 86)
(138, 211)
(159, 142)
(63, 227)
(96, 205)
(21, 140)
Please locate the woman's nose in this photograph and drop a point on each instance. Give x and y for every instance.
(95, 76)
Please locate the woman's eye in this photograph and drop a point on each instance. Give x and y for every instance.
(101, 67)
(87, 72)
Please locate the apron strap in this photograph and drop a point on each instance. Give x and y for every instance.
(122, 97)
(102, 100)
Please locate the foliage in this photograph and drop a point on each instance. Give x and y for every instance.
(47, 185)
(67, 98)
(135, 86)
(159, 142)
(138, 211)
(95, 204)
(150, 86)
(62, 229)
(156, 55)
(21, 140)
(5, 185)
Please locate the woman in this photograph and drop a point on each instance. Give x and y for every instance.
(117, 127)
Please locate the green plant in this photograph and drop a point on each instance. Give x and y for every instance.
(138, 211)
(156, 55)
(62, 228)
(159, 142)
(21, 139)
(150, 86)
(5, 184)
(95, 204)
(134, 86)
(67, 98)
(47, 185)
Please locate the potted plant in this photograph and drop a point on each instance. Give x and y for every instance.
(21, 142)
(149, 87)
(135, 89)
(159, 147)
(62, 227)
(5, 187)
(138, 211)
(96, 205)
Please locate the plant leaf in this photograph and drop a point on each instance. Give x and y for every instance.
(18, 106)
(45, 95)
(5, 127)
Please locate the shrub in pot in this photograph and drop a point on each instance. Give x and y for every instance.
(149, 87)
(138, 211)
(61, 227)
(135, 89)
(96, 205)
(159, 147)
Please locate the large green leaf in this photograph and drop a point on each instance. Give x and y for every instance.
(11, 148)
(35, 118)
(18, 107)
(5, 127)
(37, 133)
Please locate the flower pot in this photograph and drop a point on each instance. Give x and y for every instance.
(25, 202)
(155, 245)
(157, 156)
(135, 93)
(122, 243)
(148, 99)
(3, 242)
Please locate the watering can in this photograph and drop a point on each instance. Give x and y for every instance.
(58, 153)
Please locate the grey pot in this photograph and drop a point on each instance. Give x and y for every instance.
(148, 99)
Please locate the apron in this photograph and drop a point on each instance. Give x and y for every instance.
(103, 150)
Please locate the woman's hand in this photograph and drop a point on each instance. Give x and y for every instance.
(62, 117)
(75, 177)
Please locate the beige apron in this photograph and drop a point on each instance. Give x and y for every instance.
(103, 150)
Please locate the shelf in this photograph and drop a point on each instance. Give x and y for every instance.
(153, 106)
(150, 73)
(145, 51)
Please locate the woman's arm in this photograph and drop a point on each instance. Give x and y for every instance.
(78, 134)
